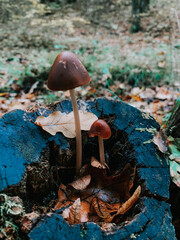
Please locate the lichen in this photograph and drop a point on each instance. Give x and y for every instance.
(150, 130)
(148, 141)
(11, 208)
(146, 115)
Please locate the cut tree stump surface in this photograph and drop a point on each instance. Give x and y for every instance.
(22, 144)
(153, 223)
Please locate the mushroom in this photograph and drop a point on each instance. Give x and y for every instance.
(101, 129)
(67, 73)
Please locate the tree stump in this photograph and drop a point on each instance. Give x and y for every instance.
(33, 163)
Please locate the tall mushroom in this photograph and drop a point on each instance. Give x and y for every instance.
(101, 129)
(67, 73)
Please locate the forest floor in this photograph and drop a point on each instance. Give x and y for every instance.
(140, 68)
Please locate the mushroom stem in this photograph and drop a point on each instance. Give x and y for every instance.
(78, 131)
(101, 150)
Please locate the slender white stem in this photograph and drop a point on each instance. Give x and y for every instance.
(101, 150)
(78, 131)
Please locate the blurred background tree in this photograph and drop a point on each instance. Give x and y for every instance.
(138, 7)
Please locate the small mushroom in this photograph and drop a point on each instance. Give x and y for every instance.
(67, 73)
(101, 129)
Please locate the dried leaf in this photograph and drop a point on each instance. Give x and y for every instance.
(66, 213)
(85, 210)
(61, 193)
(81, 183)
(61, 122)
(162, 64)
(99, 197)
(100, 208)
(96, 164)
(65, 198)
(127, 205)
(163, 93)
(75, 212)
(121, 182)
(108, 227)
(160, 140)
(107, 195)
(62, 204)
(161, 53)
(130, 202)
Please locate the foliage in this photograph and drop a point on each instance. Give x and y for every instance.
(172, 131)
(11, 209)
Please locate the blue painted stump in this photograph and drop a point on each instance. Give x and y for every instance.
(24, 148)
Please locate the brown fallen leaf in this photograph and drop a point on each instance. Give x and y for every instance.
(130, 202)
(160, 141)
(127, 205)
(100, 208)
(97, 197)
(81, 183)
(75, 212)
(85, 211)
(163, 93)
(61, 122)
(61, 192)
(122, 182)
(96, 164)
(108, 227)
(162, 64)
(65, 197)
(161, 53)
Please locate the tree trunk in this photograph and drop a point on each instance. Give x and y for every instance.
(138, 6)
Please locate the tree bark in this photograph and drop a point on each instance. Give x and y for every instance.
(138, 7)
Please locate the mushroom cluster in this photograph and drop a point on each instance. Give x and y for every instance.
(67, 73)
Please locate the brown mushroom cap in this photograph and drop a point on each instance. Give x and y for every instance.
(100, 128)
(67, 72)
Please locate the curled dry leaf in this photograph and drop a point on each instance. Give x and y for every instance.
(65, 197)
(61, 122)
(130, 202)
(81, 183)
(127, 205)
(100, 208)
(160, 140)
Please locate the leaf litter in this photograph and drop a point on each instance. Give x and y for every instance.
(61, 122)
(98, 197)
